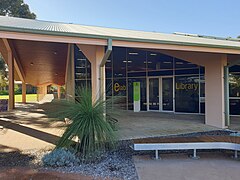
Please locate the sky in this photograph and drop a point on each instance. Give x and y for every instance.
(205, 17)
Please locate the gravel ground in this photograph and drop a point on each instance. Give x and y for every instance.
(114, 164)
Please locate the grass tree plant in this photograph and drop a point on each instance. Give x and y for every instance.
(90, 130)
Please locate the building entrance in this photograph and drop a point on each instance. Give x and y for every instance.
(160, 94)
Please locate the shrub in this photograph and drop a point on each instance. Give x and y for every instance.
(4, 92)
(60, 157)
(91, 130)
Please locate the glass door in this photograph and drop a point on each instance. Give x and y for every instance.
(167, 94)
(153, 102)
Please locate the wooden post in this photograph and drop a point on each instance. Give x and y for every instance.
(98, 73)
(11, 101)
(59, 92)
(23, 92)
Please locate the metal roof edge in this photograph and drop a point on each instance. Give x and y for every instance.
(80, 35)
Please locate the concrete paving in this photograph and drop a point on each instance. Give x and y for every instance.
(28, 126)
(149, 124)
(212, 166)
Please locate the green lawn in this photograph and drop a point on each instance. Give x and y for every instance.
(18, 98)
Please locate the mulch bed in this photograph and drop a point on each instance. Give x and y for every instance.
(229, 139)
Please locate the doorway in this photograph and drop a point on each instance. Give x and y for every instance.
(160, 94)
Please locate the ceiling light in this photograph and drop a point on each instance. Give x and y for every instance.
(167, 62)
(127, 61)
(153, 54)
(31, 63)
(133, 53)
(55, 52)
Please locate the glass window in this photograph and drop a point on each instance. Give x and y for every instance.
(202, 86)
(108, 67)
(234, 69)
(109, 87)
(119, 62)
(186, 71)
(187, 94)
(136, 62)
(80, 83)
(234, 106)
(181, 64)
(161, 73)
(157, 61)
(119, 87)
(234, 85)
(82, 69)
(202, 70)
(128, 65)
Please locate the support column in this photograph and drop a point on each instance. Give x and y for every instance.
(11, 101)
(24, 92)
(70, 74)
(103, 82)
(95, 55)
(98, 75)
(59, 92)
(226, 95)
(214, 90)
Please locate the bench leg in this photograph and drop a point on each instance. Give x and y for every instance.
(195, 154)
(235, 154)
(156, 155)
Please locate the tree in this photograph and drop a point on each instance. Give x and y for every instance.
(3, 73)
(16, 8)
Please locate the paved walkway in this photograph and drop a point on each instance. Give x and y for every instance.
(212, 166)
(149, 124)
(28, 127)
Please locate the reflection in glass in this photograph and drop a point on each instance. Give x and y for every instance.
(234, 106)
(109, 87)
(136, 62)
(167, 94)
(179, 63)
(108, 66)
(157, 61)
(234, 85)
(187, 94)
(82, 69)
(119, 62)
(154, 94)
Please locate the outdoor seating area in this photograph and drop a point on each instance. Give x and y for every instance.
(226, 142)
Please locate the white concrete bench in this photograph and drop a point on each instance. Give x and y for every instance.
(187, 146)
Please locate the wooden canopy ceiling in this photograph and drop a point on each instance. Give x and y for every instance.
(42, 62)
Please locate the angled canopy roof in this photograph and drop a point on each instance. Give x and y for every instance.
(75, 30)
